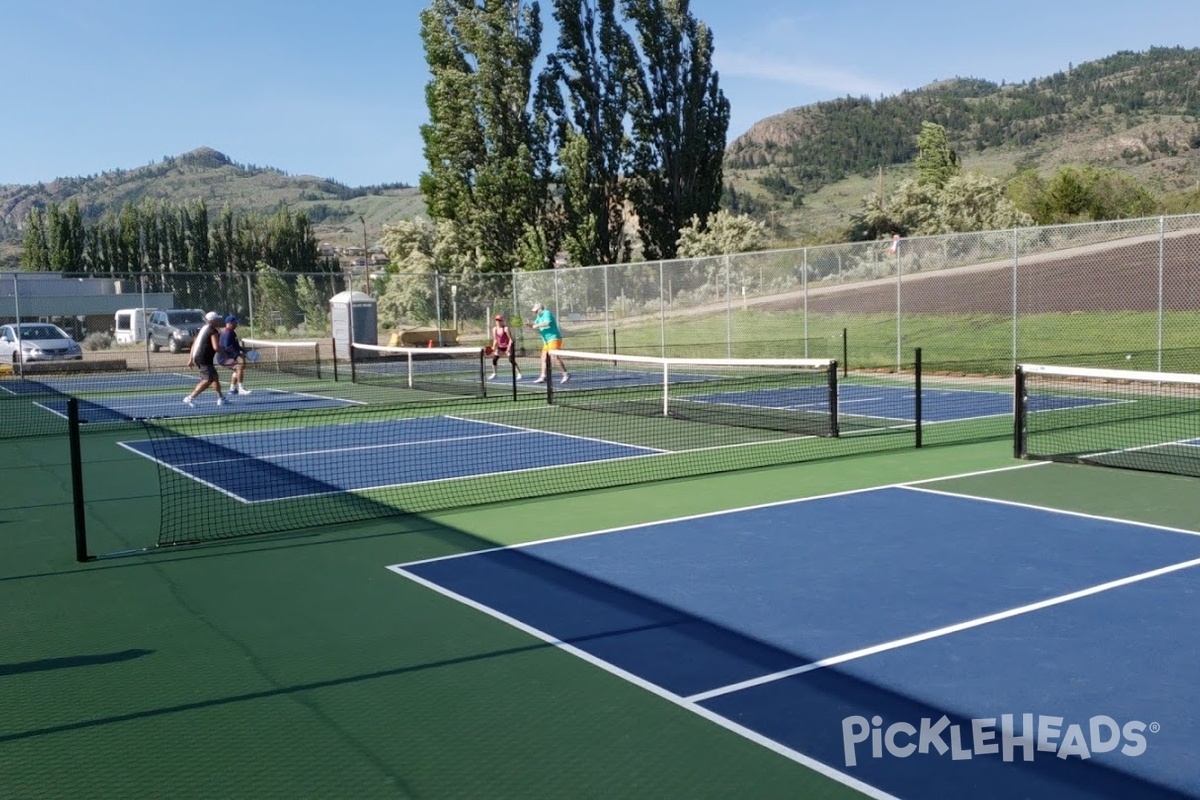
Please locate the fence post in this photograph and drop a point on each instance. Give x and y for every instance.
(804, 284)
(662, 313)
(1015, 268)
(437, 302)
(728, 313)
(250, 304)
(1162, 234)
(899, 270)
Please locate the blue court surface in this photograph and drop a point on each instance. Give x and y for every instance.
(906, 642)
(865, 401)
(288, 463)
(154, 406)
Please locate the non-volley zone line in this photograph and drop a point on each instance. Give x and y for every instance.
(161, 405)
(307, 461)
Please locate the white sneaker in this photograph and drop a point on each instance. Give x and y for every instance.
(492, 377)
(242, 390)
(220, 400)
(518, 374)
(540, 379)
(187, 401)
(564, 378)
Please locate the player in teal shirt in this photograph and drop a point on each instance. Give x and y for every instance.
(546, 325)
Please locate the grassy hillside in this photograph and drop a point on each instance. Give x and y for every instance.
(206, 174)
(805, 170)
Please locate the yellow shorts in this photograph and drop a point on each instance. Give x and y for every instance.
(553, 344)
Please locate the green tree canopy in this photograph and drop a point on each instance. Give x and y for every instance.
(488, 163)
(680, 119)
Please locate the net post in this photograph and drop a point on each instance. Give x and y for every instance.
(408, 357)
(1019, 412)
(335, 360)
(833, 398)
(614, 340)
(482, 375)
(917, 398)
(81, 548)
(666, 388)
(317, 357)
(548, 366)
(845, 353)
(353, 370)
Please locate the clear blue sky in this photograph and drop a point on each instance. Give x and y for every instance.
(336, 89)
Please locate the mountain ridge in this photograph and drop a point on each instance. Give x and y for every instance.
(804, 170)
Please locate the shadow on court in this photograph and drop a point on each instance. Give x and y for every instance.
(71, 662)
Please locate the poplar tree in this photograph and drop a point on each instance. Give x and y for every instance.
(35, 254)
(585, 94)
(680, 118)
(488, 163)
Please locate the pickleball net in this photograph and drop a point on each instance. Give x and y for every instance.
(791, 395)
(1127, 419)
(615, 422)
(301, 358)
(445, 370)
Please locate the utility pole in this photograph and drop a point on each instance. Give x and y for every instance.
(366, 258)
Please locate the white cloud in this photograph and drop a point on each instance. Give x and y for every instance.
(827, 80)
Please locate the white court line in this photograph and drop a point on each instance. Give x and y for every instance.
(183, 468)
(763, 741)
(1064, 512)
(523, 429)
(940, 632)
(722, 512)
(153, 459)
(248, 456)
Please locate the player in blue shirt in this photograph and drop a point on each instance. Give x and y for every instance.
(232, 354)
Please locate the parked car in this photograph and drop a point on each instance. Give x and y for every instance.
(175, 328)
(37, 341)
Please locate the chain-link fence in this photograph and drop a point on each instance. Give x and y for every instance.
(993, 298)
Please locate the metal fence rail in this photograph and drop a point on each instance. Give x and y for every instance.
(994, 296)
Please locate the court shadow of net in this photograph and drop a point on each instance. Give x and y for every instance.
(72, 662)
(692, 657)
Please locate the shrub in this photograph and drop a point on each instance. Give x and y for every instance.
(100, 340)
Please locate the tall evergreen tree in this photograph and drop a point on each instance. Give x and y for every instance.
(35, 255)
(488, 166)
(585, 93)
(936, 163)
(680, 118)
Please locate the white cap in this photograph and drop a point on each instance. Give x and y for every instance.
(212, 316)
(537, 306)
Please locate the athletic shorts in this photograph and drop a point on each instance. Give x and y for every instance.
(207, 371)
(226, 361)
(553, 344)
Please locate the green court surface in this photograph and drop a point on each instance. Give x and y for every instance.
(297, 665)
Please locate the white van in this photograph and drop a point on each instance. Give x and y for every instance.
(129, 325)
